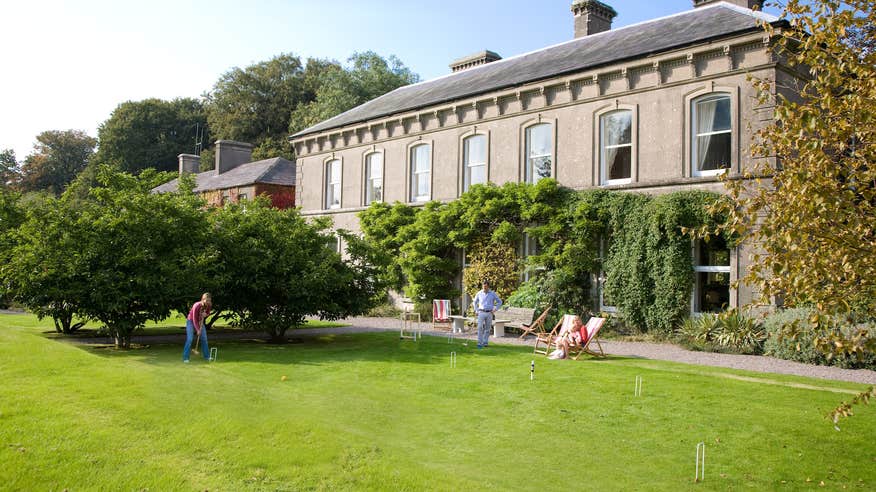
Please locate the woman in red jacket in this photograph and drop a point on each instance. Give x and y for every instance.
(195, 324)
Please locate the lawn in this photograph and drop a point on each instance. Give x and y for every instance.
(373, 412)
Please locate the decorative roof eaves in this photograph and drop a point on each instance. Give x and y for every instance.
(619, 67)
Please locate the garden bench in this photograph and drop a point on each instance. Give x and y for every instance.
(512, 317)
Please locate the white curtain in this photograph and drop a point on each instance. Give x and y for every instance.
(705, 124)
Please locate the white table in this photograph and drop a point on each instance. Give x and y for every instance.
(458, 325)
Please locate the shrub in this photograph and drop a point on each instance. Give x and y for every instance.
(791, 335)
(729, 331)
(528, 295)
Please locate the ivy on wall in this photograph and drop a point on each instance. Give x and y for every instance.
(638, 240)
(649, 267)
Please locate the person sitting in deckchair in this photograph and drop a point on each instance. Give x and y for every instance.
(568, 336)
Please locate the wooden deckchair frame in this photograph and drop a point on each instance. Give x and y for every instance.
(593, 326)
(550, 337)
(536, 326)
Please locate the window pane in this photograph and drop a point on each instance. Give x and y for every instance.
(375, 165)
(713, 114)
(617, 151)
(618, 128)
(334, 195)
(376, 190)
(423, 185)
(421, 177)
(540, 167)
(539, 140)
(713, 151)
(713, 253)
(477, 175)
(619, 165)
(333, 183)
(420, 158)
(476, 149)
(713, 291)
(539, 152)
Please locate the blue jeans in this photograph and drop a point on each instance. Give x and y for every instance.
(485, 324)
(190, 336)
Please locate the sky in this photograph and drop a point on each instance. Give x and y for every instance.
(66, 65)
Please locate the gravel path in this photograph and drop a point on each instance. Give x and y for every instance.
(659, 351)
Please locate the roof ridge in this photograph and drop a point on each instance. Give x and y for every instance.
(482, 70)
(267, 169)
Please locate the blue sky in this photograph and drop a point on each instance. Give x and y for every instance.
(67, 65)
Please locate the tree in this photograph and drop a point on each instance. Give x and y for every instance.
(142, 252)
(497, 263)
(45, 268)
(262, 103)
(812, 212)
(8, 168)
(151, 134)
(11, 216)
(382, 227)
(57, 158)
(275, 269)
(253, 104)
(338, 89)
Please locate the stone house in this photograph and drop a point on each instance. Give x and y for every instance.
(654, 107)
(236, 177)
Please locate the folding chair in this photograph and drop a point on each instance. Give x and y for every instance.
(589, 334)
(562, 326)
(441, 313)
(536, 326)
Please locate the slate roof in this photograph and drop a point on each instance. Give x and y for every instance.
(635, 41)
(276, 171)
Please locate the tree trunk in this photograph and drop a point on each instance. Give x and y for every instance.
(123, 341)
(277, 335)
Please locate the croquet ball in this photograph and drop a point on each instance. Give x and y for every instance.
(283, 378)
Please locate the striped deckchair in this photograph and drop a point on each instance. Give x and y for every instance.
(441, 313)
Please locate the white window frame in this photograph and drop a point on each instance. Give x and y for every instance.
(331, 181)
(528, 248)
(467, 165)
(708, 269)
(414, 174)
(368, 197)
(694, 134)
(528, 168)
(603, 165)
(603, 253)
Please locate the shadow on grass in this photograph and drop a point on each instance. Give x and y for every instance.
(316, 350)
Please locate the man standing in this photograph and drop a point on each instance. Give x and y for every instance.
(486, 302)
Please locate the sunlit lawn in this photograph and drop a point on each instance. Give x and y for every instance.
(374, 412)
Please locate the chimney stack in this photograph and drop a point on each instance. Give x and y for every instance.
(189, 163)
(230, 154)
(591, 17)
(749, 4)
(479, 58)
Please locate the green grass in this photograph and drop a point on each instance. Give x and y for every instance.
(373, 412)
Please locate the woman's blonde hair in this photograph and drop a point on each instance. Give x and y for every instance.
(207, 297)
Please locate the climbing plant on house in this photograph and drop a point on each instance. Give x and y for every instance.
(638, 240)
